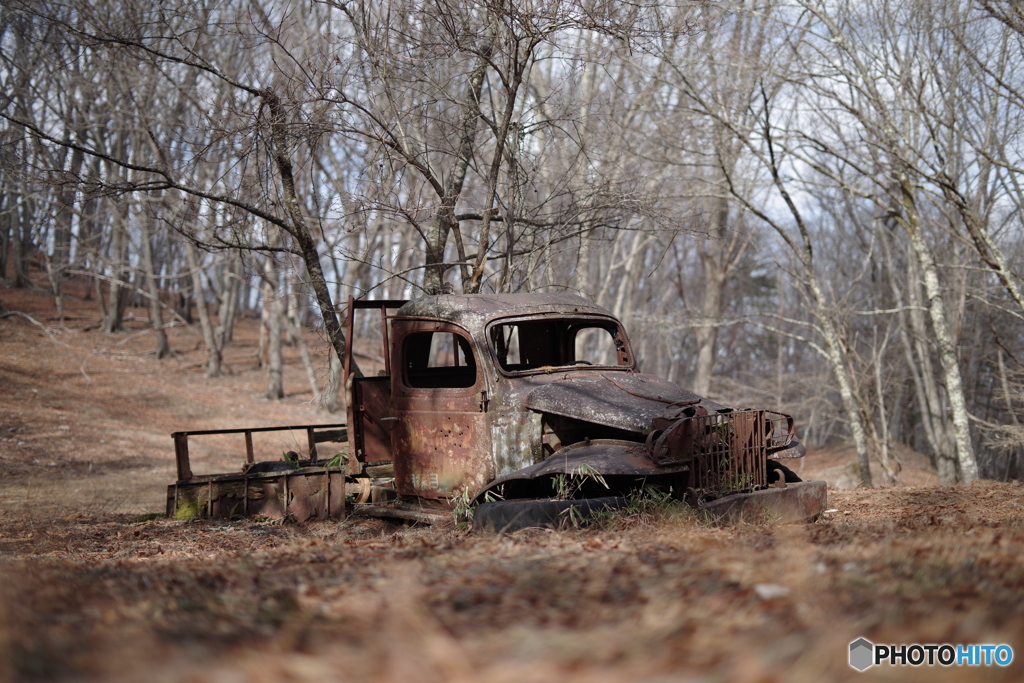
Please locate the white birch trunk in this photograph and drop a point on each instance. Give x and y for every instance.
(947, 351)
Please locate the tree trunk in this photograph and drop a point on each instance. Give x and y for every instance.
(22, 239)
(156, 317)
(445, 222)
(61, 256)
(90, 236)
(329, 396)
(113, 312)
(300, 231)
(716, 264)
(919, 362)
(293, 318)
(835, 356)
(882, 440)
(472, 281)
(273, 304)
(213, 368)
(228, 299)
(712, 259)
(6, 232)
(947, 351)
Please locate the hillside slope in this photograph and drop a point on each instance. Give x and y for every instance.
(93, 588)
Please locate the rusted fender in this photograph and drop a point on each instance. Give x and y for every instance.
(607, 457)
(798, 502)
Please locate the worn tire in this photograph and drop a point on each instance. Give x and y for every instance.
(790, 477)
(512, 515)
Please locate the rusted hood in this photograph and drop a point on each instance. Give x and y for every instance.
(624, 400)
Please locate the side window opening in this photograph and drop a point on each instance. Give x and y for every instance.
(438, 360)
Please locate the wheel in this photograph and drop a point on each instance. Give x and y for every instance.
(512, 515)
(788, 475)
(361, 490)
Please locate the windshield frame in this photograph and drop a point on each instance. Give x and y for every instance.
(601, 321)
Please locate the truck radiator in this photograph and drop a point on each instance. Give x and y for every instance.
(727, 452)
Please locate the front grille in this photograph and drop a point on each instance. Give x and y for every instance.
(729, 452)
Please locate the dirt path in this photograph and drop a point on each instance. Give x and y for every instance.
(91, 588)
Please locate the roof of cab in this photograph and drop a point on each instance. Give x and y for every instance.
(471, 310)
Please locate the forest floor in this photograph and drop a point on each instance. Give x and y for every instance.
(95, 586)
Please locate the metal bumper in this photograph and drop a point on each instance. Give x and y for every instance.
(797, 502)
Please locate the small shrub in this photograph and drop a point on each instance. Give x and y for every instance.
(188, 511)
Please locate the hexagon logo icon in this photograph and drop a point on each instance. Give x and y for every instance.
(862, 654)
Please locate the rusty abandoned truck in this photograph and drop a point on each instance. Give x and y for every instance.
(530, 408)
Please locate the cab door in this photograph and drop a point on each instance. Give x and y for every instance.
(368, 399)
(440, 441)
